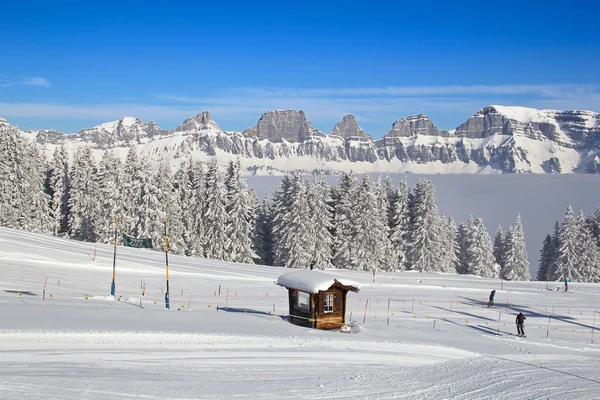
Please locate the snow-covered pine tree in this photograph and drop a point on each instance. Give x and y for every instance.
(320, 219)
(400, 232)
(198, 205)
(553, 267)
(83, 196)
(425, 244)
(37, 217)
(450, 247)
(388, 260)
(296, 235)
(516, 265)
(109, 195)
(392, 198)
(59, 186)
(344, 216)
(130, 192)
(238, 229)
(480, 255)
(369, 250)
(546, 259)
(281, 208)
(185, 201)
(593, 223)
(589, 254)
(461, 241)
(13, 175)
(215, 215)
(263, 243)
(499, 247)
(148, 208)
(567, 263)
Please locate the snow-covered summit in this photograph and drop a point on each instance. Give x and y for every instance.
(124, 131)
(348, 128)
(202, 121)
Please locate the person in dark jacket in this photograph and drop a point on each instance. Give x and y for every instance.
(520, 321)
(491, 302)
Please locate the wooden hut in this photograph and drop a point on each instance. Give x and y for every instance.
(317, 300)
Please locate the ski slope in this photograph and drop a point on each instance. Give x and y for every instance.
(436, 341)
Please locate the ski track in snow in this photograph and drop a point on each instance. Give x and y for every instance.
(440, 342)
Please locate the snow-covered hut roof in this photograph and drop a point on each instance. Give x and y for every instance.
(311, 281)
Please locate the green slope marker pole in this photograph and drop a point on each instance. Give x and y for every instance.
(112, 286)
(167, 306)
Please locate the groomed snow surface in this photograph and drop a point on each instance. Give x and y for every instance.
(440, 342)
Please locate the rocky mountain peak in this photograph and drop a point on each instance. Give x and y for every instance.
(348, 128)
(200, 122)
(415, 125)
(278, 125)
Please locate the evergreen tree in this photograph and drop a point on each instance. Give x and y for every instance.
(198, 205)
(320, 219)
(589, 254)
(516, 265)
(59, 187)
(553, 267)
(450, 246)
(499, 247)
(263, 244)
(239, 229)
(108, 180)
(388, 260)
(593, 223)
(83, 197)
(480, 255)
(13, 175)
(568, 252)
(296, 235)
(282, 204)
(37, 216)
(369, 229)
(186, 204)
(130, 193)
(392, 198)
(215, 215)
(425, 246)
(400, 232)
(344, 219)
(546, 259)
(461, 240)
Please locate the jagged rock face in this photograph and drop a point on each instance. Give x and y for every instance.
(506, 139)
(200, 122)
(348, 129)
(413, 126)
(485, 123)
(276, 126)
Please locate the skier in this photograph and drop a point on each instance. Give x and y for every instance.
(491, 302)
(566, 284)
(520, 321)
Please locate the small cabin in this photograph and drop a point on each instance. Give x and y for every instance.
(317, 300)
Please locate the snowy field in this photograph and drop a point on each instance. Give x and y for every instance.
(436, 340)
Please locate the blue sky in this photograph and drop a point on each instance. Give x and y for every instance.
(70, 65)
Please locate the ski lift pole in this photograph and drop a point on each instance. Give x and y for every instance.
(112, 286)
(167, 306)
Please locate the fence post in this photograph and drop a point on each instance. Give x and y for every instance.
(365, 316)
(388, 314)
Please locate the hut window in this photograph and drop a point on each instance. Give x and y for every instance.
(328, 302)
(303, 301)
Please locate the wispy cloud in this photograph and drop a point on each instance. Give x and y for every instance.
(29, 81)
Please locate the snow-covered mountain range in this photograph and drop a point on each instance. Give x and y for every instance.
(496, 139)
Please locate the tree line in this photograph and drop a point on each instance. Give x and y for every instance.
(359, 224)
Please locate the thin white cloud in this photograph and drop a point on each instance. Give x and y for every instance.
(29, 81)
